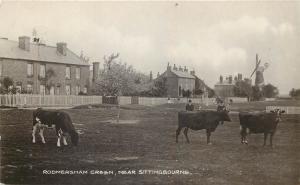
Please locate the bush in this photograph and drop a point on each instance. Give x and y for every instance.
(295, 93)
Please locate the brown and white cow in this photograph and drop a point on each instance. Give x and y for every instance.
(259, 122)
(59, 120)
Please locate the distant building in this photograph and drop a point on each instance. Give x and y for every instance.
(28, 63)
(225, 87)
(178, 81)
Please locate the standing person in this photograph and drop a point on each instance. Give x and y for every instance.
(189, 106)
(221, 106)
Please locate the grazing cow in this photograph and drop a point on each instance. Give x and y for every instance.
(208, 120)
(259, 122)
(60, 120)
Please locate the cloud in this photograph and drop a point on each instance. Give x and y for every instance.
(229, 47)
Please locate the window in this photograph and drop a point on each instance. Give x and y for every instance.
(68, 89)
(68, 72)
(77, 73)
(42, 89)
(52, 90)
(57, 90)
(29, 69)
(29, 88)
(85, 90)
(179, 90)
(77, 89)
(42, 70)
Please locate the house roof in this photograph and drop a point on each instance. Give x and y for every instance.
(10, 49)
(182, 74)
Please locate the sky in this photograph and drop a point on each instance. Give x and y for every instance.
(212, 38)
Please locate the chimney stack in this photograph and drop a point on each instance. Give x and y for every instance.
(185, 69)
(240, 77)
(151, 76)
(192, 72)
(221, 79)
(168, 67)
(230, 79)
(24, 43)
(174, 68)
(62, 48)
(95, 70)
(235, 78)
(158, 74)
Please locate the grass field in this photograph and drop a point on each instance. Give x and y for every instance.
(145, 139)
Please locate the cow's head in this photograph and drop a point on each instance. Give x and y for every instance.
(74, 138)
(35, 119)
(278, 113)
(224, 115)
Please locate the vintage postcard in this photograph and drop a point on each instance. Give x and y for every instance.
(149, 92)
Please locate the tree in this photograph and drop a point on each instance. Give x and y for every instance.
(270, 91)
(295, 93)
(186, 93)
(243, 89)
(7, 82)
(8, 86)
(117, 78)
(160, 87)
(257, 93)
(198, 92)
(211, 93)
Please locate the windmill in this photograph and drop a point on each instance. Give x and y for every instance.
(259, 70)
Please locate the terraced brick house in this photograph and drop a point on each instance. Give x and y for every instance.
(41, 69)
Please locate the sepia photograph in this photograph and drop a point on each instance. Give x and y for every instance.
(149, 92)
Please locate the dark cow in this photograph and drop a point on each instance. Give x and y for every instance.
(208, 120)
(59, 120)
(259, 122)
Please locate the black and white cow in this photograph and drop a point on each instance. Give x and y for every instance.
(59, 120)
(198, 120)
(259, 122)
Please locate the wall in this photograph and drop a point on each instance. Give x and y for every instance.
(224, 90)
(17, 70)
(187, 84)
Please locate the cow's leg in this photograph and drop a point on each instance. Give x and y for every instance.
(177, 133)
(265, 138)
(42, 135)
(34, 128)
(208, 133)
(243, 135)
(64, 139)
(186, 136)
(59, 134)
(271, 139)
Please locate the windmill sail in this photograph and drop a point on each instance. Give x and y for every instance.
(257, 65)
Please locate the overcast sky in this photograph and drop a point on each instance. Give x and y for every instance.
(213, 38)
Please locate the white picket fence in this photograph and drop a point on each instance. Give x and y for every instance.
(24, 100)
(33, 100)
(287, 109)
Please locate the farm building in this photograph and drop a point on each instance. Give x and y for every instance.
(178, 81)
(225, 87)
(41, 69)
